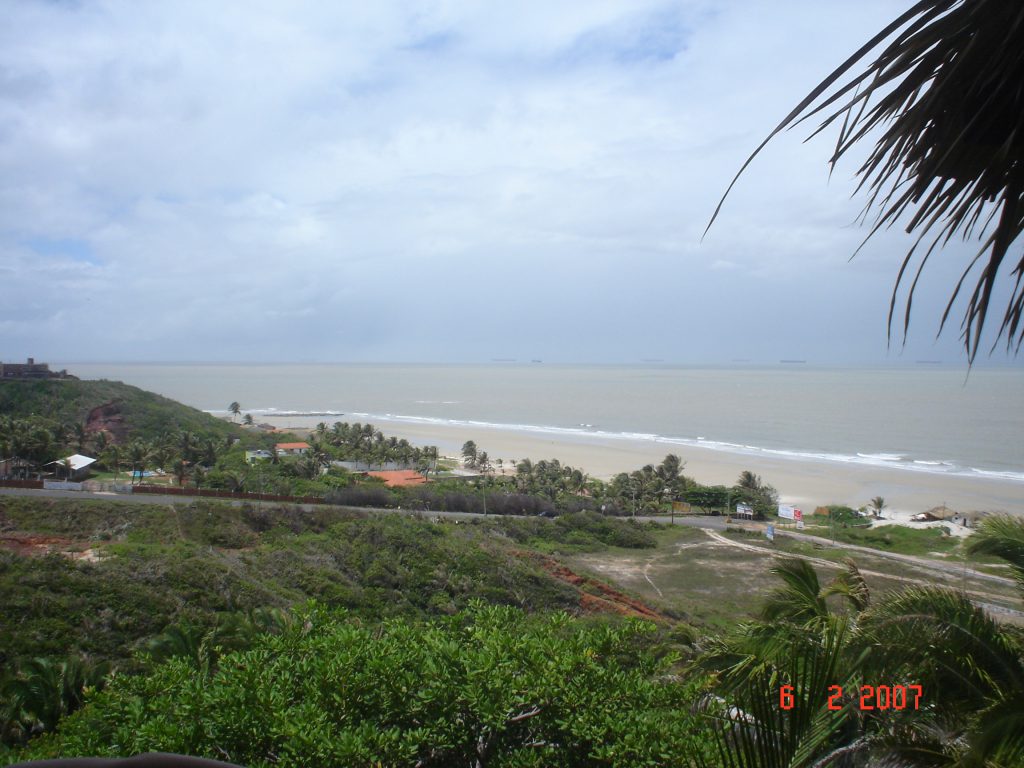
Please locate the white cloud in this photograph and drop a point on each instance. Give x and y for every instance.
(335, 181)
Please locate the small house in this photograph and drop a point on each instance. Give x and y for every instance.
(15, 468)
(292, 449)
(74, 467)
(251, 457)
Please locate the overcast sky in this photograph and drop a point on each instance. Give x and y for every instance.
(436, 181)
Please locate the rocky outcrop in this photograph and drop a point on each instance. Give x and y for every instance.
(108, 418)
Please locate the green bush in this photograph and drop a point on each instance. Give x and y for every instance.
(490, 686)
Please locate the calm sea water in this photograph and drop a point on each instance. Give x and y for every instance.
(921, 419)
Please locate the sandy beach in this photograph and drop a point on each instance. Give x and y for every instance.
(806, 483)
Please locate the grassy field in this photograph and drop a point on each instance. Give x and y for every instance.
(892, 538)
(711, 583)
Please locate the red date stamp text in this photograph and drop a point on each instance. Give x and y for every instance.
(870, 697)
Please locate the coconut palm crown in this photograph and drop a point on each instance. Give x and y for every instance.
(942, 100)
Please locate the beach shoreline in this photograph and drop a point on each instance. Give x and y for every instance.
(807, 483)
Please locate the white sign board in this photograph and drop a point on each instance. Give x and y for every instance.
(744, 510)
(799, 525)
(787, 512)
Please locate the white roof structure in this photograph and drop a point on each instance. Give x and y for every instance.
(76, 461)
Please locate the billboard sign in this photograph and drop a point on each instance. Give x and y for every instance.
(787, 512)
(744, 510)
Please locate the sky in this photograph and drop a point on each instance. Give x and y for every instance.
(438, 182)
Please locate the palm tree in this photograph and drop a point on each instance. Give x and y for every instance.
(112, 459)
(798, 647)
(80, 435)
(483, 462)
(469, 453)
(181, 470)
(235, 409)
(942, 103)
(45, 690)
(139, 454)
(969, 667)
(877, 505)
(197, 474)
(100, 441)
(187, 446)
(247, 420)
(1002, 536)
(749, 480)
(208, 450)
(185, 640)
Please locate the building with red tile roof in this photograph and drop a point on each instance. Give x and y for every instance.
(292, 449)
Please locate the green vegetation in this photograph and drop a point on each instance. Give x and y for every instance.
(147, 416)
(278, 635)
(157, 565)
(894, 538)
(491, 686)
(204, 610)
(774, 675)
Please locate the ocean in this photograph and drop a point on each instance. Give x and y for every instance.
(922, 419)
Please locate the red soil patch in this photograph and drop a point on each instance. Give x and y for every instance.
(108, 418)
(595, 596)
(37, 546)
(33, 545)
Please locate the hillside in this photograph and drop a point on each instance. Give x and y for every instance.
(99, 578)
(123, 410)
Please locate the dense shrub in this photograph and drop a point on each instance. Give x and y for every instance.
(491, 686)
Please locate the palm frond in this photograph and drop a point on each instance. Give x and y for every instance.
(800, 598)
(961, 656)
(849, 583)
(753, 729)
(945, 96)
(1002, 536)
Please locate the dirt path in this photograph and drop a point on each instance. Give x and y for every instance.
(647, 568)
(922, 562)
(720, 539)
